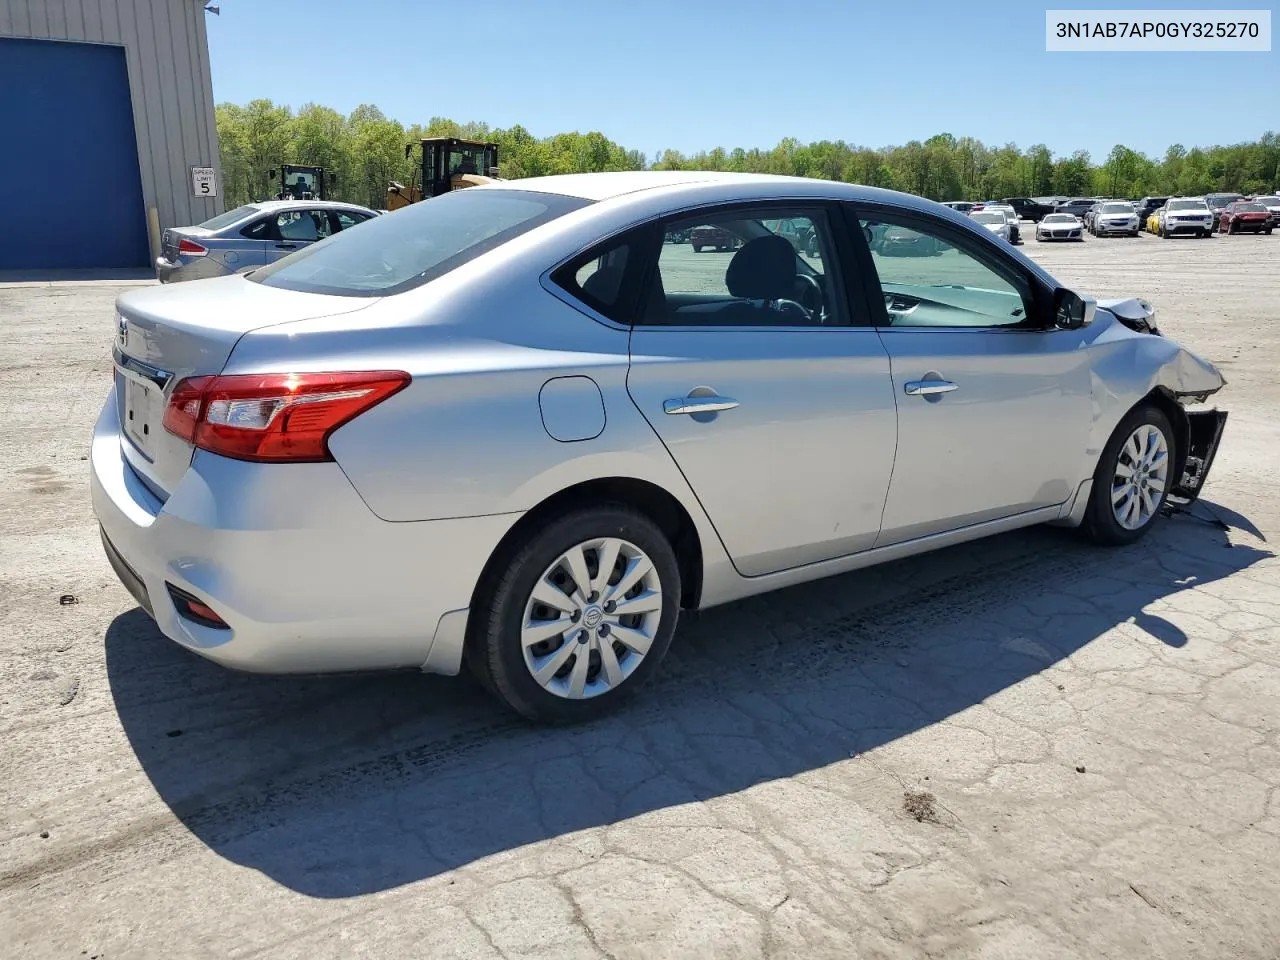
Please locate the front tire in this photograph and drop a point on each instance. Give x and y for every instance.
(1132, 479)
(579, 617)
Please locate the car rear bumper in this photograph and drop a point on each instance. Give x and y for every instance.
(305, 576)
(198, 268)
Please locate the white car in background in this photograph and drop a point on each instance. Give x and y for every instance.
(1272, 203)
(1184, 215)
(1060, 226)
(1012, 215)
(995, 221)
(1115, 216)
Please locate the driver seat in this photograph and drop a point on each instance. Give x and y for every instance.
(763, 276)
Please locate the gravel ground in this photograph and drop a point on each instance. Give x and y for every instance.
(1023, 747)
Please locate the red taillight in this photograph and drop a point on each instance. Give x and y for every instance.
(274, 416)
(191, 248)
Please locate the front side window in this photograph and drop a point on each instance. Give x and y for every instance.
(303, 226)
(762, 267)
(931, 280)
(348, 220)
(391, 254)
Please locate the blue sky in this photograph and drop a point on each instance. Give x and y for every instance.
(697, 74)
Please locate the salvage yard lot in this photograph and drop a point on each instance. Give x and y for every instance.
(1021, 747)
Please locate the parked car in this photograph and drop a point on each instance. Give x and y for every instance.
(1060, 226)
(678, 236)
(509, 428)
(799, 233)
(709, 237)
(896, 241)
(995, 221)
(1012, 216)
(1245, 216)
(1076, 207)
(1147, 206)
(1028, 208)
(252, 236)
(1115, 217)
(960, 206)
(1218, 202)
(1272, 203)
(1184, 215)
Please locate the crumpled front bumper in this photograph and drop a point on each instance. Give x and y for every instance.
(1204, 434)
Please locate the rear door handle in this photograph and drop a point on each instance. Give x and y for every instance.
(924, 388)
(713, 404)
(286, 246)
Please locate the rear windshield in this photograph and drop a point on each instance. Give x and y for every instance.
(228, 218)
(398, 251)
(983, 217)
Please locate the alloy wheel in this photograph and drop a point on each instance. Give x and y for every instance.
(591, 618)
(1141, 477)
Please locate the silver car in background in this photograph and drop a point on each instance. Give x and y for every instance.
(252, 236)
(1188, 215)
(996, 222)
(512, 428)
(1011, 214)
(1115, 217)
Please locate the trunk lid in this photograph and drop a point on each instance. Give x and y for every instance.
(167, 333)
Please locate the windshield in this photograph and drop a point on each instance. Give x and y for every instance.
(1117, 208)
(983, 217)
(1250, 208)
(228, 218)
(1059, 218)
(1269, 201)
(396, 252)
(1186, 205)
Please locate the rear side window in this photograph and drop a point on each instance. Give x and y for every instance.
(228, 218)
(405, 249)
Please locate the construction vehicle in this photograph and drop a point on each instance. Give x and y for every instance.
(448, 163)
(299, 182)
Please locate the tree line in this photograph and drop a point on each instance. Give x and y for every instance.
(365, 150)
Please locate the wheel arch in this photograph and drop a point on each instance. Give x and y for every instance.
(653, 501)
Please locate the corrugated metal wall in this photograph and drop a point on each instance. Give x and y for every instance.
(167, 53)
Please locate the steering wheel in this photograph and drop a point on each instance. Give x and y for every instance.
(810, 294)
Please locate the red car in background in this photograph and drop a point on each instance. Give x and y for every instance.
(1245, 216)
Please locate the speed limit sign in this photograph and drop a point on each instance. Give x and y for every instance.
(203, 183)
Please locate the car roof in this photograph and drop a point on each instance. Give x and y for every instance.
(266, 206)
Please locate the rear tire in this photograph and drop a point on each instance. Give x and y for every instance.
(696, 248)
(1124, 503)
(589, 677)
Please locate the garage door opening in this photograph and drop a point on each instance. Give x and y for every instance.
(70, 177)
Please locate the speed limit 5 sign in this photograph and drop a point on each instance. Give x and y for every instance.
(203, 183)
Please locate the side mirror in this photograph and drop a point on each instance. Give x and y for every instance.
(1072, 311)
(271, 175)
(866, 233)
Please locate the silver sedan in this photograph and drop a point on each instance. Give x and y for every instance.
(512, 428)
(252, 236)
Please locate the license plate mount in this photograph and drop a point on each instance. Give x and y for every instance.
(139, 416)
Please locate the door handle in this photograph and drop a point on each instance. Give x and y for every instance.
(711, 404)
(286, 246)
(925, 388)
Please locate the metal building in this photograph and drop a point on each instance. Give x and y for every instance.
(106, 107)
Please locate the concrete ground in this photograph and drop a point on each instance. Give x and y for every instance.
(1024, 747)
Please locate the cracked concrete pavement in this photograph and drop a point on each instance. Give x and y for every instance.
(1098, 731)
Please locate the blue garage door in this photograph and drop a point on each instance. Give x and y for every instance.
(69, 169)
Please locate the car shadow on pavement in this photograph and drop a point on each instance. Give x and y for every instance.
(341, 786)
